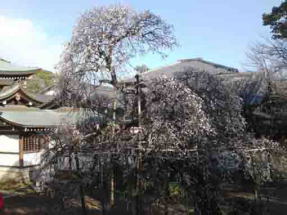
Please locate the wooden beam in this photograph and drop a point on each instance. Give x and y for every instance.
(21, 151)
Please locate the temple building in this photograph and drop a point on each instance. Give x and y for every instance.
(24, 121)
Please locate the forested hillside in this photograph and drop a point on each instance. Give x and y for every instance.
(41, 80)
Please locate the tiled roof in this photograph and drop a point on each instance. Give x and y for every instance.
(11, 90)
(8, 91)
(185, 65)
(9, 69)
(36, 118)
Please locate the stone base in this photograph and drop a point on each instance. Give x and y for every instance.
(14, 174)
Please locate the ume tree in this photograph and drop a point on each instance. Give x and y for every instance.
(106, 38)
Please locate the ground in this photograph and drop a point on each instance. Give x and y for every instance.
(25, 201)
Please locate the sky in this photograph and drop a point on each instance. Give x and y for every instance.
(33, 32)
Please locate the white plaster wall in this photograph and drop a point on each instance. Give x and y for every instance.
(9, 159)
(31, 159)
(9, 143)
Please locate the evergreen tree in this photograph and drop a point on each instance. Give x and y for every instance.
(277, 20)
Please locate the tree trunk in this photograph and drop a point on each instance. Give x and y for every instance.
(206, 197)
(112, 197)
(82, 193)
(83, 203)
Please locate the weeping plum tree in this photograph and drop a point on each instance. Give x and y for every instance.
(197, 119)
(106, 38)
(195, 123)
(192, 133)
(104, 41)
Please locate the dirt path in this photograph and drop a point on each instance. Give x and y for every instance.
(34, 204)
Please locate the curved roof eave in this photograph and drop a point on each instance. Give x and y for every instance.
(34, 119)
(28, 126)
(17, 88)
(14, 73)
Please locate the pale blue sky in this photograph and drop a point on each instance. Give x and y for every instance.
(216, 30)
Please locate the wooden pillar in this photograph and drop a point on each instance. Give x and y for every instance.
(21, 151)
(138, 93)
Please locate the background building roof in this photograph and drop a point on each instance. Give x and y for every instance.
(184, 65)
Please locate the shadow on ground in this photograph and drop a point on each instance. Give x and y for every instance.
(34, 204)
(273, 202)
